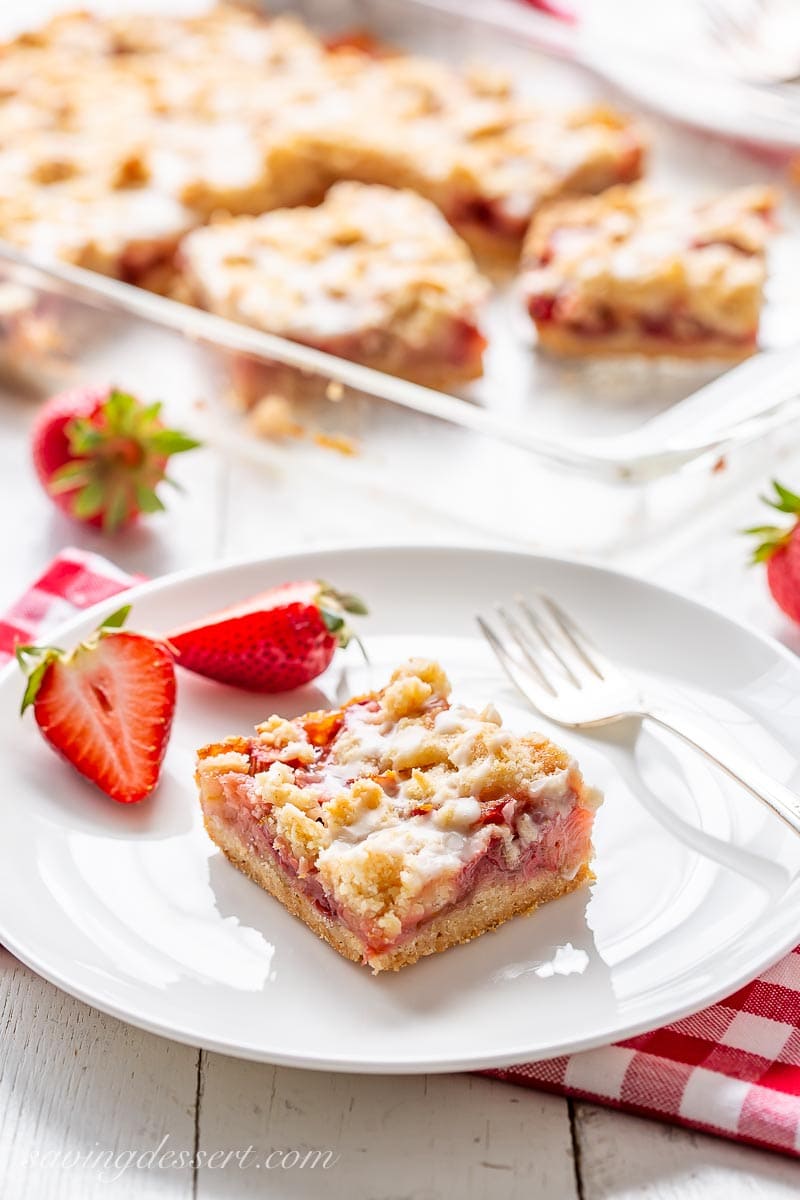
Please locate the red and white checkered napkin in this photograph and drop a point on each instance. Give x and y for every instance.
(74, 580)
(732, 1069)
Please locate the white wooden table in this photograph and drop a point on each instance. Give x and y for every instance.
(76, 1084)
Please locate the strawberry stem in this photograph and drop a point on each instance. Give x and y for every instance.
(34, 683)
(787, 502)
(119, 457)
(362, 648)
(346, 601)
(333, 621)
(333, 605)
(773, 538)
(116, 619)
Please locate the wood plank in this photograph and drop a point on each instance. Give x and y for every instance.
(75, 1082)
(628, 1158)
(408, 1136)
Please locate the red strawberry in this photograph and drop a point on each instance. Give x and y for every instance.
(106, 706)
(779, 548)
(100, 455)
(275, 641)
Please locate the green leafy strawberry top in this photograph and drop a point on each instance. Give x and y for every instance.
(333, 605)
(118, 457)
(774, 537)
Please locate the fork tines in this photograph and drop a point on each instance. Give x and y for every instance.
(537, 638)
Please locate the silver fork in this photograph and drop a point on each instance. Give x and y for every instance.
(566, 678)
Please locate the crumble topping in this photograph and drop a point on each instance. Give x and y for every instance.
(239, 113)
(228, 760)
(281, 737)
(630, 256)
(367, 258)
(388, 801)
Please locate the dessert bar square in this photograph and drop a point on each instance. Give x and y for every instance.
(401, 824)
(240, 113)
(632, 272)
(372, 274)
(487, 157)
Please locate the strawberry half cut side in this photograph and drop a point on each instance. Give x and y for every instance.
(106, 706)
(272, 642)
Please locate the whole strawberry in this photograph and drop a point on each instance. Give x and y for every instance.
(101, 453)
(779, 548)
(275, 641)
(105, 706)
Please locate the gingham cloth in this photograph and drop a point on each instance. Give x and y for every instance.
(732, 1069)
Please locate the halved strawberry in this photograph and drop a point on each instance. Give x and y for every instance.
(275, 641)
(106, 706)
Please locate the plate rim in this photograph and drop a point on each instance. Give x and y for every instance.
(346, 1063)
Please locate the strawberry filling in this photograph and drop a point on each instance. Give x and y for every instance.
(141, 259)
(459, 344)
(489, 215)
(676, 327)
(360, 41)
(467, 344)
(630, 161)
(524, 840)
(556, 303)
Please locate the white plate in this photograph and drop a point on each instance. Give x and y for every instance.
(133, 910)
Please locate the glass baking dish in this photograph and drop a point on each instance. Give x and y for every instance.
(576, 456)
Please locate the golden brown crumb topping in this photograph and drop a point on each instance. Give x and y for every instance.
(230, 111)
(632, 252)
(388, 799)
(368, 257)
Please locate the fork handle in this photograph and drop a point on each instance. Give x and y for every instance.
(782, 800)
